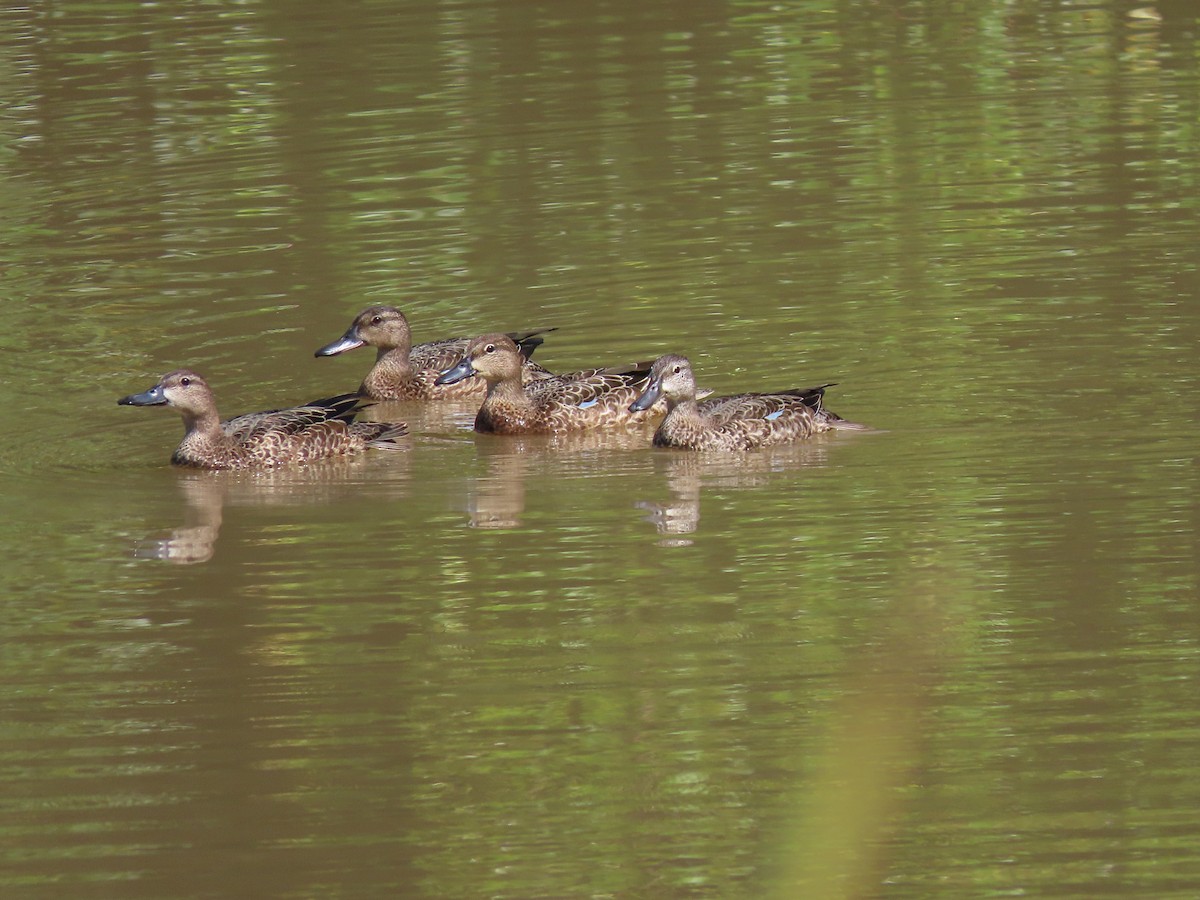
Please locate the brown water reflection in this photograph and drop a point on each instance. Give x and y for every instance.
(513, 465)
(688, 474)
(207, 493)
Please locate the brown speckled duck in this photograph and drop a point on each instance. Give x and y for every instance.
(739, 422)
(317, 430)
(406, 372)
(595, 398)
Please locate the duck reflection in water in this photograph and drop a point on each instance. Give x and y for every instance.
(207, 494)
(496, 499)
(687, 474)
(195, 540)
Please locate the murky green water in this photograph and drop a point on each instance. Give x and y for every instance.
(953, 657)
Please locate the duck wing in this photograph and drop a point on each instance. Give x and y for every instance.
(587, 386)
(765, 405)
(292, 419)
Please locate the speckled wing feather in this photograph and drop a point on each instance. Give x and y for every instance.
(577, 388)
(759, 406)
(315, 432)
(253, 426)
(737, 429)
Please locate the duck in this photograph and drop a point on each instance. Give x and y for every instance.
(737, 422)
(317, 430)
(592, 398)
(403, 371)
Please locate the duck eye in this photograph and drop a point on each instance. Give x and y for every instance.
(677, 370)
(185, 381)
(375, 320)
(490, 348)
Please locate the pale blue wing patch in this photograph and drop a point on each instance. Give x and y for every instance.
(588, 404)
(773, 415)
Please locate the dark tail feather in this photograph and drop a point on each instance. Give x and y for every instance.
(343, 407)
(636, 371)
(385, 434)
(813, 397)
(528, 341)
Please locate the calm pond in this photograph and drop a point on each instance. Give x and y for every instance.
(955, 656)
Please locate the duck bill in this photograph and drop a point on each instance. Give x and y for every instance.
(348, 341)
(649, 396)
(153, 397)
(460, 372)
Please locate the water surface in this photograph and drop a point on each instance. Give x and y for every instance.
(950, 657)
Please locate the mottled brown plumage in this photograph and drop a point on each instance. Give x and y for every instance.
(406, 372)
(739, 422)
(594, 398)
(317, 430)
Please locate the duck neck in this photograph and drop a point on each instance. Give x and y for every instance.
(388, 376)
(203, 439)
(394, 359)
(510, 392)
(686, 407)
(205, 423)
